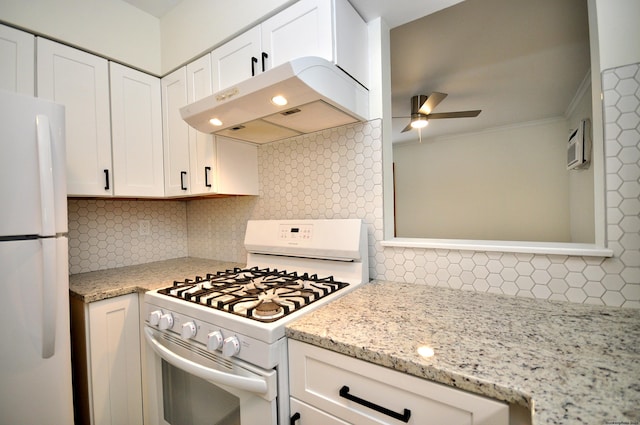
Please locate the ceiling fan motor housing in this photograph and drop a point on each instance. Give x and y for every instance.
(416, 104)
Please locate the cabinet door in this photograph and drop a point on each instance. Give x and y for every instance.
(175, 134)
(114, 350)
(237, 167)
(237, 60)
(201, 145)
(352, 41)
(303, 29)
(80, 82)
(137, 133)
(17, 61)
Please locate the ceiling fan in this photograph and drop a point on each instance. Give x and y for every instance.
(421, 107)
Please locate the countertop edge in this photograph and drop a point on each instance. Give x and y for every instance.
(443, 376)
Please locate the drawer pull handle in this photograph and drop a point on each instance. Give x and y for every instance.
(294, 418)
(404, 417)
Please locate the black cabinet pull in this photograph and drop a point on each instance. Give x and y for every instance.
(207, 170)
(182, 176)
(265, 55)
(254, 61)
(404, 417)
(106, 179)
(294, 418)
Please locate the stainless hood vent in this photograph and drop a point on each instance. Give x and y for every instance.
(320, 95)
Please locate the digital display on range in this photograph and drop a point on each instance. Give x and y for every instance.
(295, 229)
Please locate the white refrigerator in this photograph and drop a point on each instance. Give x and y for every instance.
(35, 353)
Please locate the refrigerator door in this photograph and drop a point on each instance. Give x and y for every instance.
(35, 357)
(32, 167)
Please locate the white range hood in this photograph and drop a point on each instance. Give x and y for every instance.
(320, 95)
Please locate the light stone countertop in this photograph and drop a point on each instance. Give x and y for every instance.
(103, 284)
(568, 363)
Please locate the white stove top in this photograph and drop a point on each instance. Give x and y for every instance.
(264, 295)
(293, 267)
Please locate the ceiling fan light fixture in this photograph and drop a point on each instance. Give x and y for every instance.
(419, 121)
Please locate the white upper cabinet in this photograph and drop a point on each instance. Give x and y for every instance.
(137, 133)
(330, 29)
(304, 29)
(175, 134)
(80, 82)
(236, 171)
(201, 145)
(17, 61)
(237, 60)
(189, 155)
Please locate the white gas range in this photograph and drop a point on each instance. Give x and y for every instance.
(223, 333)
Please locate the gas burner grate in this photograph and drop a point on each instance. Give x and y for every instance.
(265, 295)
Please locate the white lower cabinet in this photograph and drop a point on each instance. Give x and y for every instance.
(106, 361)
(331, 388)
(306, 414)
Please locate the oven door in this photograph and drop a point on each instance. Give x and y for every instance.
(187, 384)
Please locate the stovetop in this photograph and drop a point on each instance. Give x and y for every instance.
(260, 294)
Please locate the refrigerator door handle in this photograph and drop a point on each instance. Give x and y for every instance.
(45, 165)
(49, 296)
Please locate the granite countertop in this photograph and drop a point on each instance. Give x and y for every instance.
(567, 363)
(102, 284)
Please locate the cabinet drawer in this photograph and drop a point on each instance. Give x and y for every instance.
(317, 377)
(309, 415)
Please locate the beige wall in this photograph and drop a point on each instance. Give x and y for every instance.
(581, 181)
(510, 183)
(110, 28)
(195, 26)
(121, 32)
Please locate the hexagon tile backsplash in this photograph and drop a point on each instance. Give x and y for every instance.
(337, 173)
(106, 233)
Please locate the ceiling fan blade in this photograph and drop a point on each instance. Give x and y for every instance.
(407, 128)
(432, 101)
(460, 114)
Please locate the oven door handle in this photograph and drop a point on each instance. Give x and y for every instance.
(254, 385)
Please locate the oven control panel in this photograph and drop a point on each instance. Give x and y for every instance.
(295, 232)
(198, 330)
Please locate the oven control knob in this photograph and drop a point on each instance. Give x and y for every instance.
(214, 340)
(166, 321)
(230, 346)
(154, 317)
(188, 330)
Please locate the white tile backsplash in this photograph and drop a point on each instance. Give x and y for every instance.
(337, 173)
(104, 233)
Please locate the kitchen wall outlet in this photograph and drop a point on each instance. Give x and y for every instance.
(144, 227)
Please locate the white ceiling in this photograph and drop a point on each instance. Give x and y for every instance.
(516, 60)
(156, 8)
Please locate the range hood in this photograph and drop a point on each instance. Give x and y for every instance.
(320, 96)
